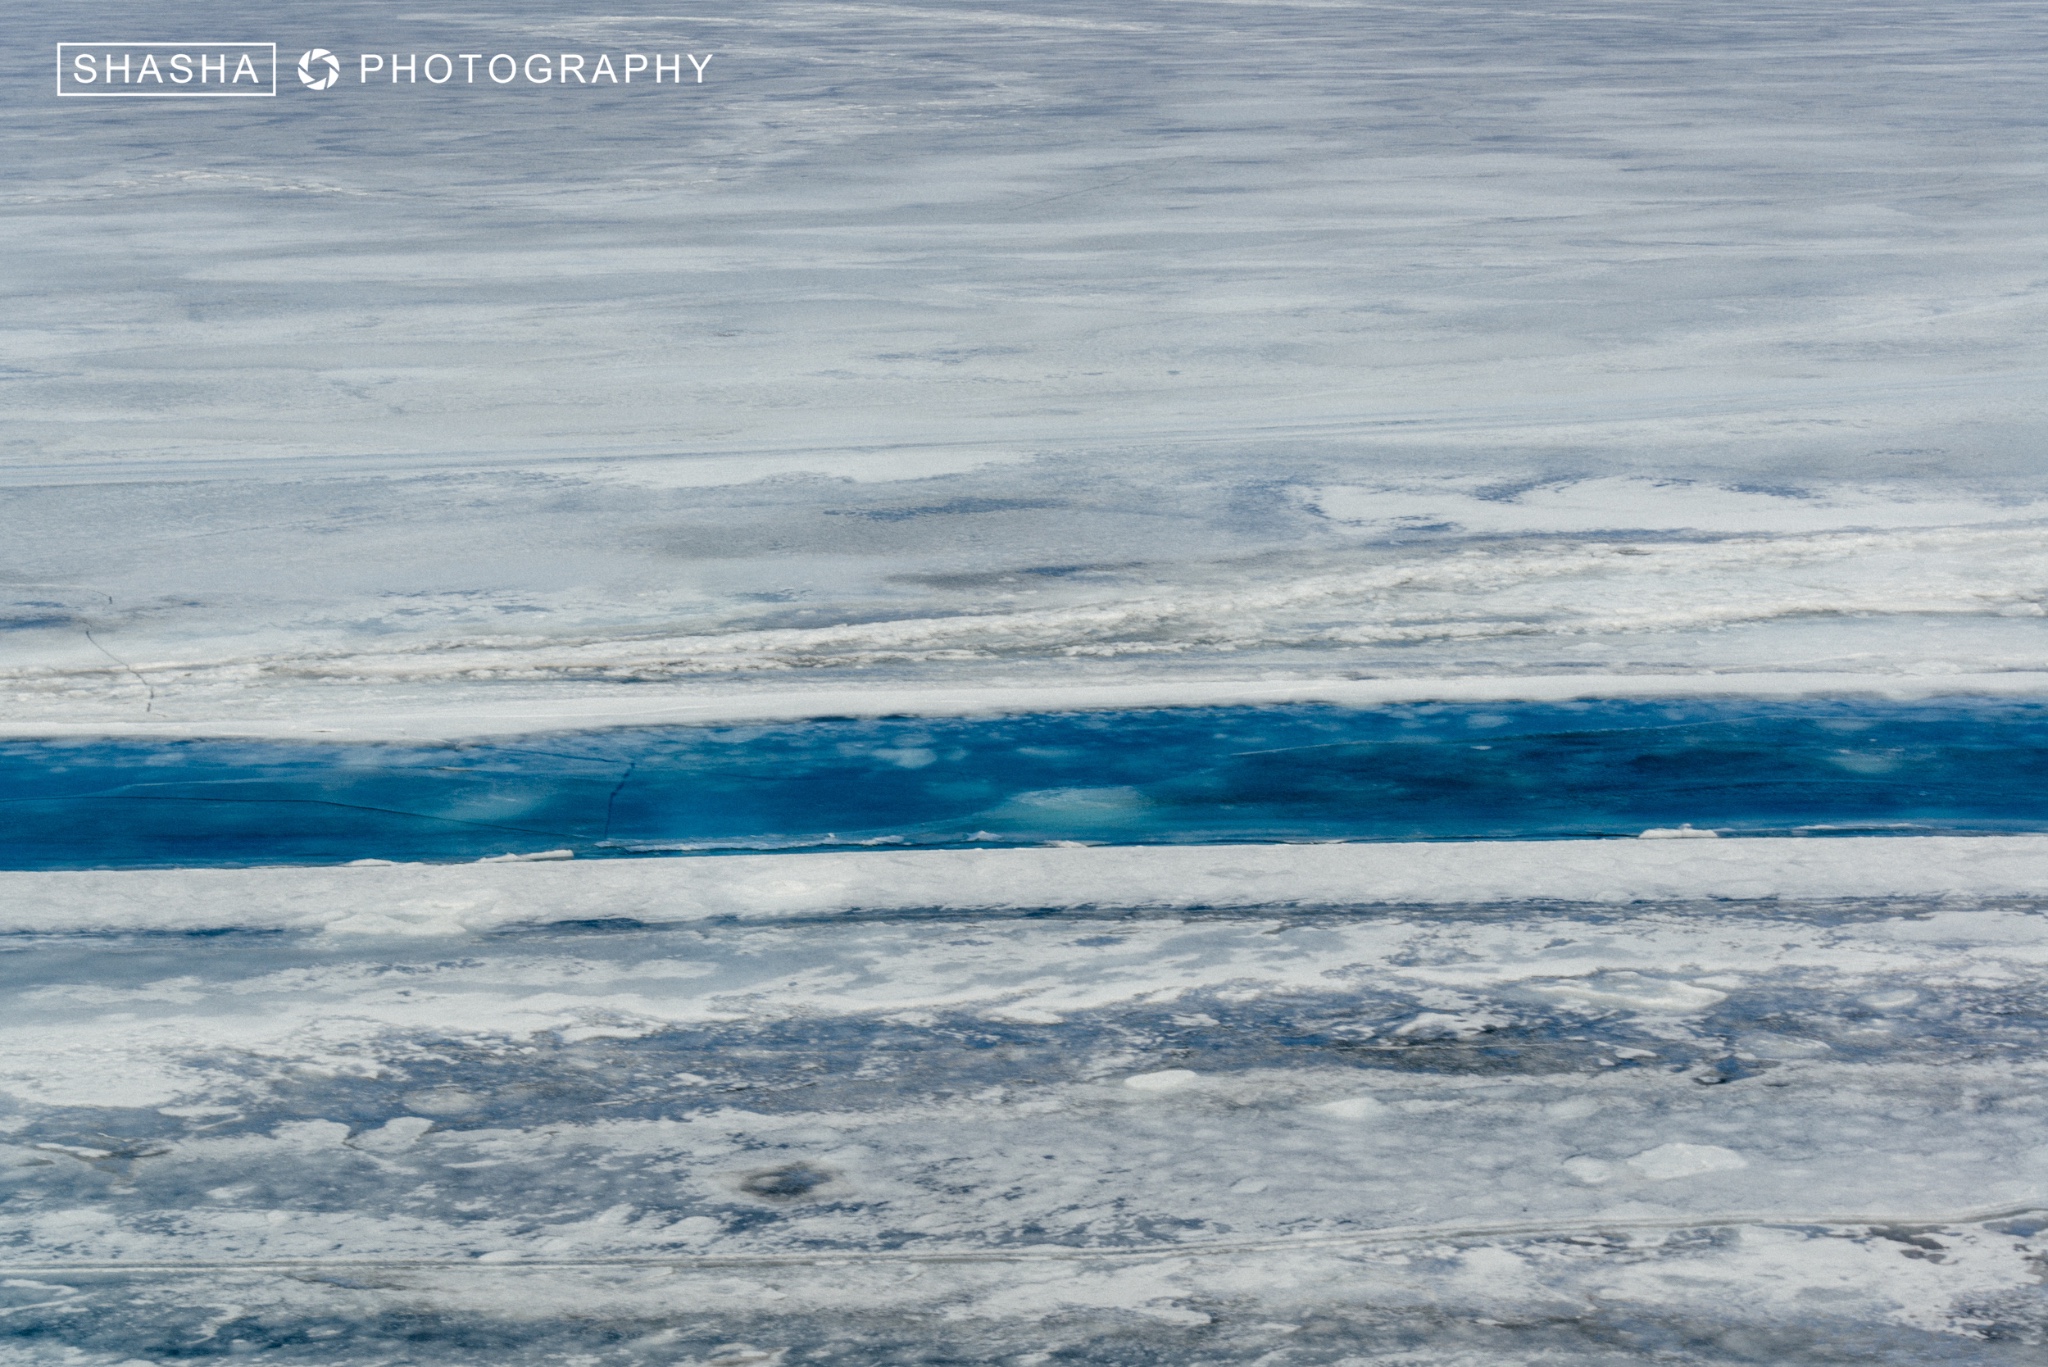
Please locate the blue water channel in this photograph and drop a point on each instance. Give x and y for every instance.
(1178, 775)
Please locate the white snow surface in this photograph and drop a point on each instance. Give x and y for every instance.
(935, 349)
(439, 899)
(452, 710)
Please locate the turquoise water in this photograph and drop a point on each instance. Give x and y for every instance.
(1187, 775)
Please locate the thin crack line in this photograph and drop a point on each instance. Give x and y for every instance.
(150, 704)
(612, 800)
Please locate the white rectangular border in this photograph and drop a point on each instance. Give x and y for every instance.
(64, 94)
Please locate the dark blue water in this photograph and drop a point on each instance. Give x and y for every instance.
(1186, 775)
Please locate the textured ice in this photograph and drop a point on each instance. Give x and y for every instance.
(951, 1134)
(993, 345)
(936, 359)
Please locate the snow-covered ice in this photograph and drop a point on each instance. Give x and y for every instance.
(946, 360)
(437, 899)
(1028, 1122)
(967, 347)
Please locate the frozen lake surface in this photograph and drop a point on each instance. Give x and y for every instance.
(1027, 345)
(385, 471)
(1791, 1131)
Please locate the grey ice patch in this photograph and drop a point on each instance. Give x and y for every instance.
(790, 1182)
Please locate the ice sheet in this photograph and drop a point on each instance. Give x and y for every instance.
(947, 359)
(1225, 345)
(1104, 1128)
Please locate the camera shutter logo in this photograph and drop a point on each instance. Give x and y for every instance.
(310, 69)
